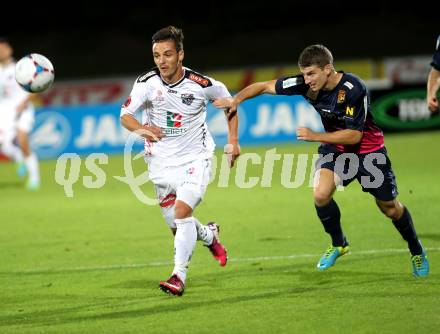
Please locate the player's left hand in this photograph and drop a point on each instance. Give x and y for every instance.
(305, 134)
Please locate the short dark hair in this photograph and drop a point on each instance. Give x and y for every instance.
(169, 33)
(317, 55)
(5, 40)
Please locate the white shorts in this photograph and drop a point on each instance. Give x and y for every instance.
(8, 118)
(26, 120)
(7, 135)
(186, 183)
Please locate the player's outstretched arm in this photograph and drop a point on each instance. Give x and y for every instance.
(233, 148)
(432, 89)
(258, 88)
(342, 137)
(151, 133)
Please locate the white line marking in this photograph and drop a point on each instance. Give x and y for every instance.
(249, 259)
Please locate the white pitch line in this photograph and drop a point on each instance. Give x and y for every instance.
(249, 259)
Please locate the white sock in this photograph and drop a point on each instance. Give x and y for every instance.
(184, 243)
(168, 215)
(32, 167)
(19, 158)
(204, 233)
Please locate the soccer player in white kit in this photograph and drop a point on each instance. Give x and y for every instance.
(178, 146)
(16, 118)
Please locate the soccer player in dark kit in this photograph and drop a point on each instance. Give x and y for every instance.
(352, 147)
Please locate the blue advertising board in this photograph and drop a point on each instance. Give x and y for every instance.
(96, 128)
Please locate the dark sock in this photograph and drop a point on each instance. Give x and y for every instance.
(330, 217)
(406, 229)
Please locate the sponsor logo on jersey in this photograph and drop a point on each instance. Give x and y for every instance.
(174, 131)
(290, 82)
(174, 120)
(348, 84)
(172, 91)
(159, 96)
(341, 96)
(349, 111)
(198, 79)
(187, 99)
(127, 102)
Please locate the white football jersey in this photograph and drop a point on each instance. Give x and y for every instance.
(10, 90)
(11, 95)
(180, 110)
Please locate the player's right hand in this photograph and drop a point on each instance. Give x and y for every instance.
(433, 105)
(152, 133)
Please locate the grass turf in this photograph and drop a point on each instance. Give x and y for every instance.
(92, 263)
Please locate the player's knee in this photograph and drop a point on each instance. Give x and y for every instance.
(182, 210)
(321, 197)
(188, 198)
(392, 211)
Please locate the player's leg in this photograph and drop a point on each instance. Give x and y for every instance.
(7, 146)
(166, 195)
(385, 195)
(403, 222)
(191, 184)
(194, 179)
(209, 234)
(198, 174)
(326, 207)
(205, 233)
(329, 215)
(187, 197)
(24, 127)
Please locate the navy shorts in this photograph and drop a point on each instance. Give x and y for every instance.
(372, 170)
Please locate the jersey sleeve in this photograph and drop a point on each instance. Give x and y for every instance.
(216, 91)
(436, 58)
(136, 100)
(357, 101)
(291, 86)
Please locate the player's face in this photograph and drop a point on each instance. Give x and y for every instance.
(5, 52)
(168, 60)
(315, 77)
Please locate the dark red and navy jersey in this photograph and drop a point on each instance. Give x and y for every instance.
(347, 106)
(436, 58)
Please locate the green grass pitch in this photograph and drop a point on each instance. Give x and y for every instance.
(92, 263)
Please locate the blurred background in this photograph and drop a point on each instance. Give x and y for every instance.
(91, 40)
(99, 49)
(90, 263)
